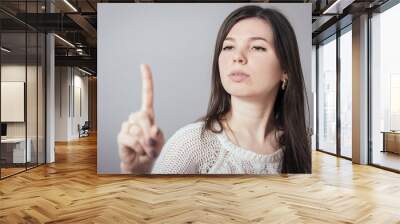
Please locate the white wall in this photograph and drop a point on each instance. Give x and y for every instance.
(79, 117)
(61, 103)
(69, 82)
(16, 72)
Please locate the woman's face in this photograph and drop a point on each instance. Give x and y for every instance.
(248, 64)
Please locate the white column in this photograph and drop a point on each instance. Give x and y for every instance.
(50, 91)
(50, 100)
(360, 90)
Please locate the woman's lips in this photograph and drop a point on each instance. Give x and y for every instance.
(238, 76)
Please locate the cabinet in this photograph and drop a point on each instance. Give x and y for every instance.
(13, 150)
(391, 141)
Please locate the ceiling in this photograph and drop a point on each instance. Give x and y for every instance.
(76, 22)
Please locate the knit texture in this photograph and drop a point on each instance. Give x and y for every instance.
(187, 153)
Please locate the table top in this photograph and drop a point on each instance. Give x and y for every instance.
(391, 132)
(14, 140)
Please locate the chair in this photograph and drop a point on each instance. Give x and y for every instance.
(84, 130)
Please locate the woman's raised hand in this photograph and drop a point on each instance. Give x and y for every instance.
(140, 140)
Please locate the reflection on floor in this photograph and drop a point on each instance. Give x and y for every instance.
(386, 159)
(11, 169)
(347, 152)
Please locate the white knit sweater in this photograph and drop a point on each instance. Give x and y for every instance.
(186, 153)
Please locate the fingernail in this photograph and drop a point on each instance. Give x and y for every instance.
(152, 142)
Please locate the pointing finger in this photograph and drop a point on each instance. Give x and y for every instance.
(147, 88)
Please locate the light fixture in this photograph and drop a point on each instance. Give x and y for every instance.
(79, 51)
(86, 72)
(337, 7)
(5, 49)
(70, 5)
(65, 41)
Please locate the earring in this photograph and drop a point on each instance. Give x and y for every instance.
(284, 84)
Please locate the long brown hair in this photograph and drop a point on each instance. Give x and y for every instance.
(288, 113)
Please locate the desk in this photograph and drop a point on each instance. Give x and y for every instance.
(16, 147)
(391, 141)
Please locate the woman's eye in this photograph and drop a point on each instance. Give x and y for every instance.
(227, 48)
(258, 48)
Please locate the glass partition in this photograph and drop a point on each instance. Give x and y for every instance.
(41, 107)
(22, 77)
(31, 100)
(13, 110)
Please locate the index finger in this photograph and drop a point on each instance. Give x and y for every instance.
(147, 88)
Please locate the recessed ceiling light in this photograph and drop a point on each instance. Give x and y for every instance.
(5, 49)
(64, 40)
(84, 71)
(337, 7)
(70, 5)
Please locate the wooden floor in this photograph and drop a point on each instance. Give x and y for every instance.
(70, 191)
(8, 171)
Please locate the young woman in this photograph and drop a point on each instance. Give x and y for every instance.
(255, 123)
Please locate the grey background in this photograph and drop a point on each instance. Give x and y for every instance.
(177, 40)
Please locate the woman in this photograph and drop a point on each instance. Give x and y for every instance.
(255, 123)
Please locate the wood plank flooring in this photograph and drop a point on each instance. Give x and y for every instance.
(70, 191)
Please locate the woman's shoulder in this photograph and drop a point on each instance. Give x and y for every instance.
(186, 150)
(195, 126)
(193, 133)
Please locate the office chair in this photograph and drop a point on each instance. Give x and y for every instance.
(84, 130)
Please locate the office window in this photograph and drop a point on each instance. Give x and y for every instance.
(327, 96)
(346, 93)
(314, 95)
(385, 88)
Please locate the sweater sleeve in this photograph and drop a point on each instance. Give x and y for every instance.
(181, 153)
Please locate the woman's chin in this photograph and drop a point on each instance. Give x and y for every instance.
(241, 92)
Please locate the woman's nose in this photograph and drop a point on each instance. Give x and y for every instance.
(239, 57)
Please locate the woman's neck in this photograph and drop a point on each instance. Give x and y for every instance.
(249, 117)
